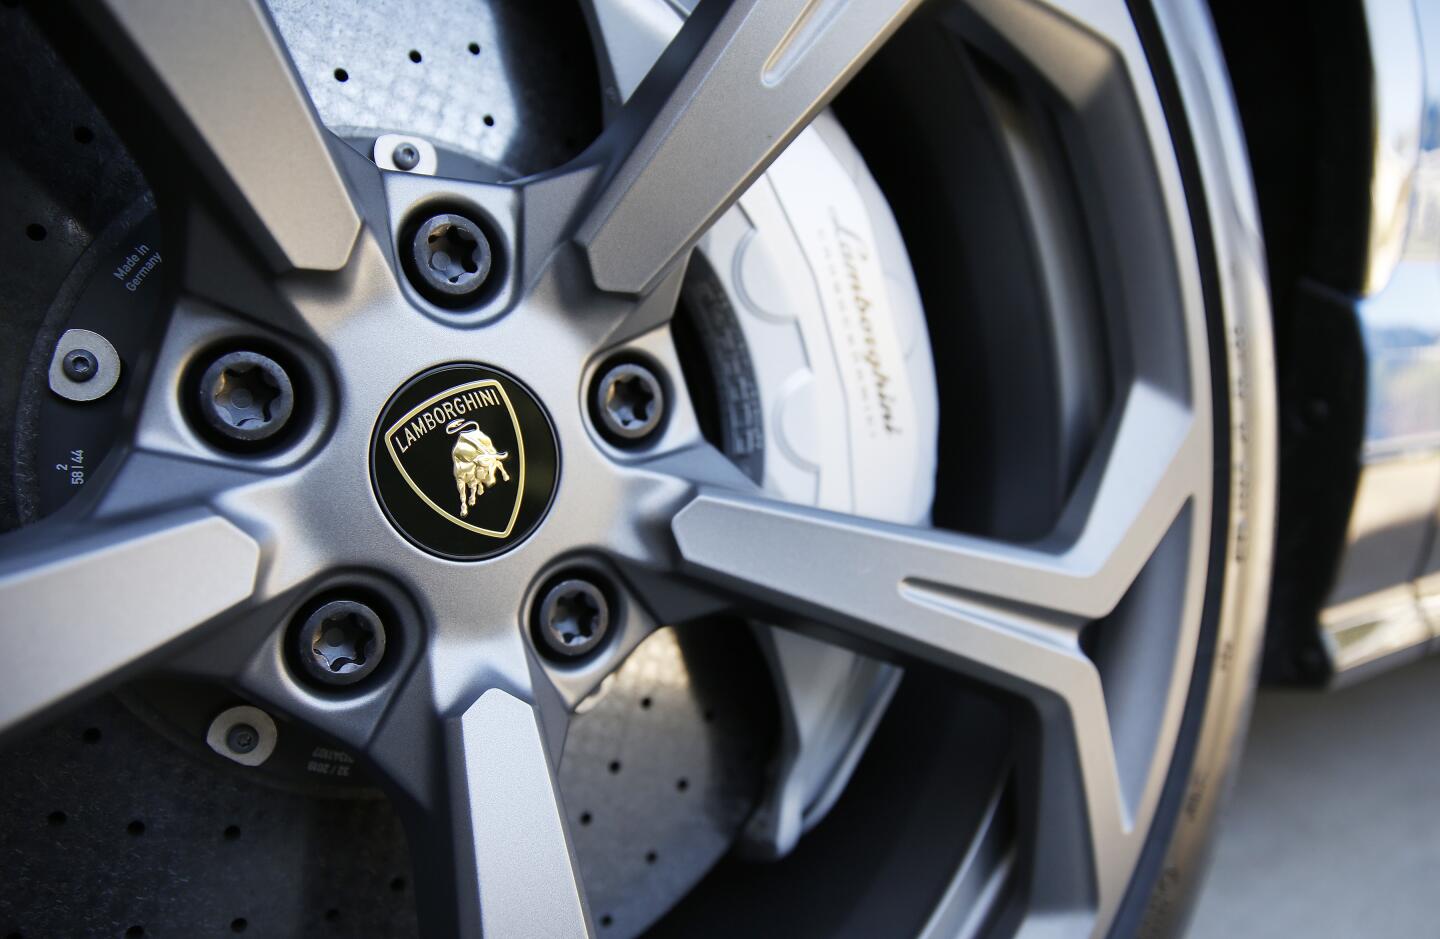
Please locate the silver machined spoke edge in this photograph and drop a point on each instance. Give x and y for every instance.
(85, 603)
(220, 77)
(733, 88)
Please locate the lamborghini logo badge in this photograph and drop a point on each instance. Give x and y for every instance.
(474, 460)
(441, 451)
(464, 461)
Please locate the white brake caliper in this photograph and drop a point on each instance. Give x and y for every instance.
(813, 265)
(812, 262)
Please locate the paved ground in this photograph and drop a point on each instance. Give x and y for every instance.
(1333, 829)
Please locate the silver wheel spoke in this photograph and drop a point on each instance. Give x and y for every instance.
(728, 94)
(510, 831)
(629, 35)
(219, 76)
(792, 553)
(86, 603)
(490, 833)
(1005, 614)
(925, 595)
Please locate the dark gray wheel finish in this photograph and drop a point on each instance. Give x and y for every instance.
(464, 732)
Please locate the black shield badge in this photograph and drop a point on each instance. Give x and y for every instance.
(464, 461)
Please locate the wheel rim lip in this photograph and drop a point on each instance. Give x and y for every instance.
(1155, 130)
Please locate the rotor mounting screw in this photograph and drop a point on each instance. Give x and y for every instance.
(341, 642)
(84, 366)
(452, 258)
(573, 617)
(630, 402)
(242, 738)
(80, 365)
(244, 734)
(406, 156)
(246, 396)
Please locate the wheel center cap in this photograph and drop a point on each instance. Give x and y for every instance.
(464, 461)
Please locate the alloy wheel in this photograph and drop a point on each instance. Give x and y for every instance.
(460, 544)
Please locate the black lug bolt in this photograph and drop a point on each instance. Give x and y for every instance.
(573, 617)
(405, 156)
(341, 642)
(630, 402)
(242, 738)
(452, 258)
(246, 396)
(80, 365)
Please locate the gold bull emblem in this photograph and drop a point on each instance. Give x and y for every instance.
(475, 462)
